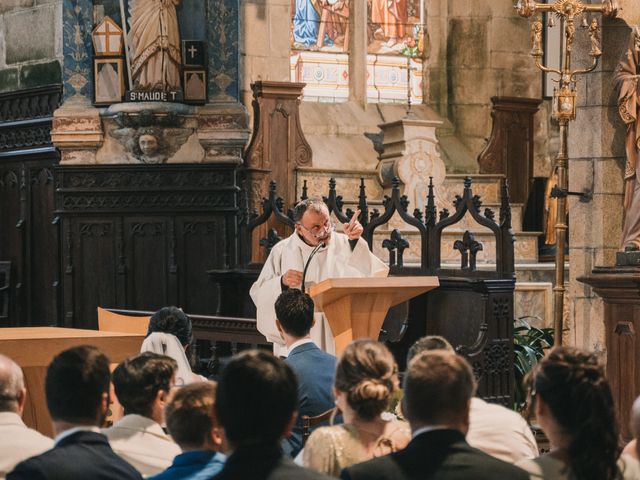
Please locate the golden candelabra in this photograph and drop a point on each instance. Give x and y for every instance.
(567, 12)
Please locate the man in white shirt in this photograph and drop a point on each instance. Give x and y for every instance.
(338, 255)
(142, 384)
(17, 442)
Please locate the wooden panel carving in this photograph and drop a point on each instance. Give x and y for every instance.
(168, 224)
(277, 148)
(92, 278)
(619, 287)
(147, 260)
(510, 147)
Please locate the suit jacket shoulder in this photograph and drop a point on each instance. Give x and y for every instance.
(437, 455)
(81, 455)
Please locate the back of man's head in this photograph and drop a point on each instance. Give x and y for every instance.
(189, 416)
(77, 380)
(256, 398)
(11, 385)
(428, 343)
(438, 386)
(138, 380)
(294, 310)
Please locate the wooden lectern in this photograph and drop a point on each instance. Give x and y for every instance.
(33, 348)
(356, 307)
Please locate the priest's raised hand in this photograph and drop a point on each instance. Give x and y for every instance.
(353, 229)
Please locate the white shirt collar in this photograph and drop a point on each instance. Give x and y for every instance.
(67, 433)
(297, 344)
(429, 428)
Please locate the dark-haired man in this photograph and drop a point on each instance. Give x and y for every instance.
(142, 384)
(256, 406)
(438, 388)
(339, 255)
(191, 424)
(77, 392)
(314, 368)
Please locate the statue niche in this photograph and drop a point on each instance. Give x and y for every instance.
(154, 44)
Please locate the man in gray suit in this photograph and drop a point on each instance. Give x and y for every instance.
(17, 441)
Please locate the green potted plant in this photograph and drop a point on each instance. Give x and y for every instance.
(529, 345)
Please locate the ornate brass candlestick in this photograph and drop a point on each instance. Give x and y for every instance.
(564, 106)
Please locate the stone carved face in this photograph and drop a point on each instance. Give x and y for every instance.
(148, 144)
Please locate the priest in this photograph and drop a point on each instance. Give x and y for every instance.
(338, 255)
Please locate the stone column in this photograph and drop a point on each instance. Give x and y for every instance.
(358, 54)
(76, 125)
(596, 162)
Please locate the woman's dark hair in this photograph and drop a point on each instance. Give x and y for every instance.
(573, 385)
(367, 373)
(174, 321)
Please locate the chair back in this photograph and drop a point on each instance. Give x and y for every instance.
(308, 423)
(115, 322)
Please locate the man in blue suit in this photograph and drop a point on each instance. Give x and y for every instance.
(77, 391)
(314, 368)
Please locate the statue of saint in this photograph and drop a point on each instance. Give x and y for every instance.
(536, 38)
(626, 79)
(594, 35)
(154, 44)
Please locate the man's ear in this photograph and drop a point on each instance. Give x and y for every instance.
(279, 326)
(216, 437)
(465, 422)
(103, 408)
(313, 322)
(22, 399)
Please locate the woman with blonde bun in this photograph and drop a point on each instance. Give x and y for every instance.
(366, 380)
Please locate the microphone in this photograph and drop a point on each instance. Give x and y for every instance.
(306, 265)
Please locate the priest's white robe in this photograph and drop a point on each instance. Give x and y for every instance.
(335, 260)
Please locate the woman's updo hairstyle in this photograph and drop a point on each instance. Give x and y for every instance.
(367, 373)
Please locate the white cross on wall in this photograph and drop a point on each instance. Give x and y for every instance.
(193, 50)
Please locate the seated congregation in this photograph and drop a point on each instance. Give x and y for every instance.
(249, 424)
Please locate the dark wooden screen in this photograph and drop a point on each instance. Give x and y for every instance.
(28, 228)
(143, 236)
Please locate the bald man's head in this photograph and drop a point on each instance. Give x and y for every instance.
(12, 391)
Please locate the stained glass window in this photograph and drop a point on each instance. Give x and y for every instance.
(320, 49)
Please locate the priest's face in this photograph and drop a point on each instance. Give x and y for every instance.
(315, 227)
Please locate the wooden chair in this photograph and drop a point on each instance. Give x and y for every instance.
(115, 322)
(308, 423)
